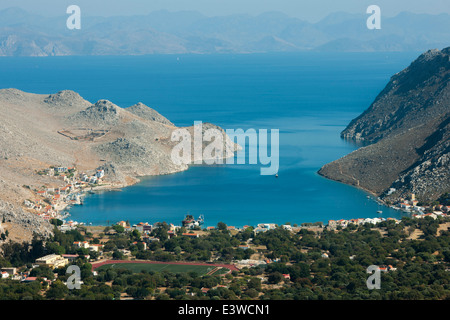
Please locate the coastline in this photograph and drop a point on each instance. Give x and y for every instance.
(107, 187)
(372, 197)
(396, 206)
(138, 179)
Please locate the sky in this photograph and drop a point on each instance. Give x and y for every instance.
(309, 10)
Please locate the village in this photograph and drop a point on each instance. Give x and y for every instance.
(50, 202)
(409, 206)
(92, 250)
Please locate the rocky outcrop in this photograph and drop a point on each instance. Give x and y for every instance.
(31, 224)
(102, 113)
(66, 101)
(148, 113)
(429, 176)
(407, 132)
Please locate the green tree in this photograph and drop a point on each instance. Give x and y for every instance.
(57, 291)
(221, 226)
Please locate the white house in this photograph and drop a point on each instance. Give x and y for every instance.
(11, 271)
(100, 174)
(96, 247)
(81, 244)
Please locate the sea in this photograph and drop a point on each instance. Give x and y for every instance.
(309, 97)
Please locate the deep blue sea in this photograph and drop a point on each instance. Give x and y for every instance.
(309, 97)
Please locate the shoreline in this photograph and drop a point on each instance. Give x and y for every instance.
(136, 180)
(377, 197)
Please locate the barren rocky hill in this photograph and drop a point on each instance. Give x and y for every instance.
(407, 129)
(148, 113)
(63, 129)
(414, 96)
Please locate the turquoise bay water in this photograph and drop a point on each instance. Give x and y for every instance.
(309, 97)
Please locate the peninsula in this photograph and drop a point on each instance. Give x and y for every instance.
(55, 146)
(406, 131)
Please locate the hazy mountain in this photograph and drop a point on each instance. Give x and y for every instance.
(26, 34)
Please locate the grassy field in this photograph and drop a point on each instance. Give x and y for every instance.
(175, 268)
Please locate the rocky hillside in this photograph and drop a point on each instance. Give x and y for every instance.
(414, 96)
(407, 131)
(63, 129)
(148, 113)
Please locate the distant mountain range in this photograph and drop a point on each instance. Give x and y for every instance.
(162, 32)
(407, 128)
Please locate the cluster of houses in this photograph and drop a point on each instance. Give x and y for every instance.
(93, 179)
(9, 273)
(263, 227)
(89, 246)
(52, 261)
(69, 225)
(50, 201)
(334, 224)
(433, 215)
(387, 268)
(57, 261)
(411, 205)
(145, 229)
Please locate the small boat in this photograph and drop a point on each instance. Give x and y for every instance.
(379, 211)
(276, 176)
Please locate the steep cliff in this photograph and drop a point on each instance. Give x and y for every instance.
(407, 131)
